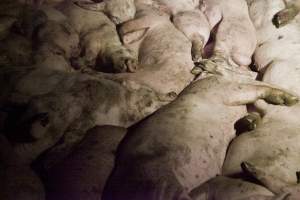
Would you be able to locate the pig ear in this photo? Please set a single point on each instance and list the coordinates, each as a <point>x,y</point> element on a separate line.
<point>134,36</point>
<point>90,5</point>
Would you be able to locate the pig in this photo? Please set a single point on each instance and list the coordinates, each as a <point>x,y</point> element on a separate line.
<point>189,20</point>
<point>224,188</point>
<point>137,94</point>
<point>176,149</point>
<point>196,27</point>
<point>16,15</point>
<point>46,36</point>
<point>98,35</point>
<point>163,51</point>
<point>266,147</point>
<point>233,22</point>
<point>18,180</point>
<point>278,157</point>
<point>94,99</point>
<point>83,174</point>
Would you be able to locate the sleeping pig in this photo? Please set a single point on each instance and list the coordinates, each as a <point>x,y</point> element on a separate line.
<point>232,20</point>
<point>98,34</point>
<point>184,144</point>
<point>273,145</point>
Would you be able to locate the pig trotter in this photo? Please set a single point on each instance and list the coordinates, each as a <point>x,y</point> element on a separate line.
<point>284,16</point>
<point>249,122</point>
<point>281,98</point>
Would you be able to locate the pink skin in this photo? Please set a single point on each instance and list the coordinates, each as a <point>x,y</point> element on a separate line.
<point>196,28</point>
<point>276,138</point>
<point>165,61</point>
<point>164,52</point>
<point>235,36</point>
<point>177,6</point>
<point>177,148</point>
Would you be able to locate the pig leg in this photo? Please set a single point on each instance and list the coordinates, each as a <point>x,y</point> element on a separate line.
<point>249,122</point>
<point>147,169</point>
<point>286,15</point>
<point>195,26</point>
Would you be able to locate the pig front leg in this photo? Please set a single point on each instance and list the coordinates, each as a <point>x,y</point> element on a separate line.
<point>286,15</point>
<point>195,26</point>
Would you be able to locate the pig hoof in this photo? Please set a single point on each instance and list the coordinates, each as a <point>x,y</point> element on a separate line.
<point>284,16</point>
<point>279,97</point>
<point>248,123</point>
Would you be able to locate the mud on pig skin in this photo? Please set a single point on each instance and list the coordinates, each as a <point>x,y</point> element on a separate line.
<point>94,99</point>
<point>83,174</point>
<point>159,157</point>
<point>154,85</point>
